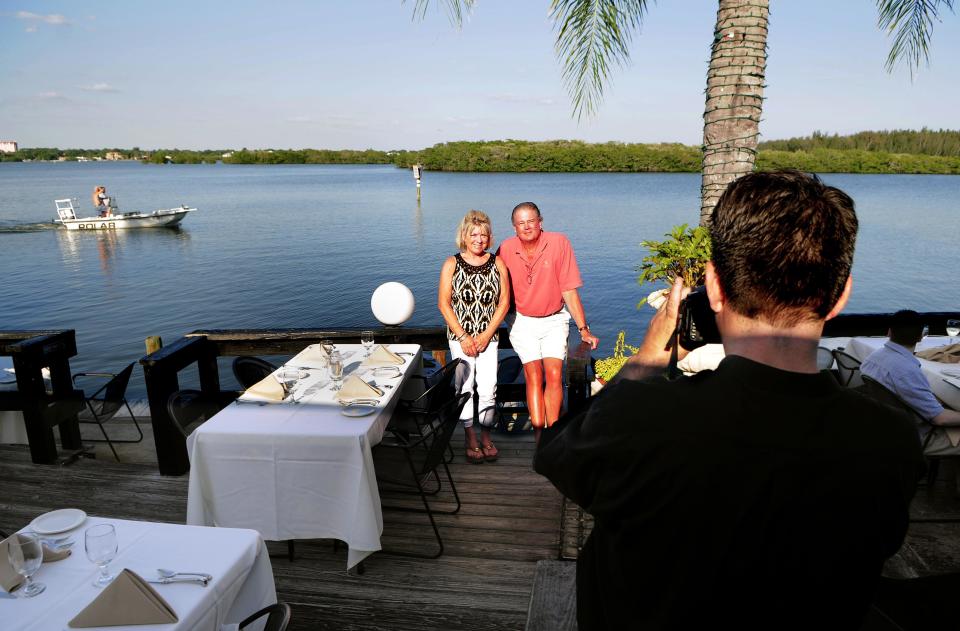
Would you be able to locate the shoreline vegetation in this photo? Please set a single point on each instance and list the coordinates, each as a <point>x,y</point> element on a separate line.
<point>881,152</point>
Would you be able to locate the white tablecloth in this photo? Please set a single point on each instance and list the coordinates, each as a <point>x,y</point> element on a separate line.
<point>295,471</point>
<point>937,373</point>
<point>238,560</point>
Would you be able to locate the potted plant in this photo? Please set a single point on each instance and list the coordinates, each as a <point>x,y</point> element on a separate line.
<point>605,369</point>
<point>683,253</point>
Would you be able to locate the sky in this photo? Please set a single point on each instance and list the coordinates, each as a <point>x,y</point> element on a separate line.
<point>363,74</point>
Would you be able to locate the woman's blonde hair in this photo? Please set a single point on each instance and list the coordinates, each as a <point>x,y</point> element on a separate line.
<point>473,219</point>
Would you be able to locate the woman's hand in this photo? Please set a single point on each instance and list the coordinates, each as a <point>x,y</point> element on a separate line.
<point>481,341</point>
<point>469,346</point>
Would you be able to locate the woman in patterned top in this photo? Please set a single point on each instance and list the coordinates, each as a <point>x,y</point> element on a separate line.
<point>474,298</point>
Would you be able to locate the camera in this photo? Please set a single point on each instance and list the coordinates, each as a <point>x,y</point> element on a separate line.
<point>698,324</point>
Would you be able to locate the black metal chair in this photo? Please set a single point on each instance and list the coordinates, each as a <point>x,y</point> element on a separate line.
<point>848,369</point>
<point>439,389</point>
<point>423,456</point>
<point>250,370</point>
<point>278,617</point>
<point>105,402</point>
<point>188,409</point>
<point>824,358</point>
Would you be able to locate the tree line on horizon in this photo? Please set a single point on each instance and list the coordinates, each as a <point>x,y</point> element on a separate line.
<point>896,151</point>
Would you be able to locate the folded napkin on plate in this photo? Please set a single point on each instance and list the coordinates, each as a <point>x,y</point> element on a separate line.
<point>127,600</point>
<point>356,388</point>
<point>267,389</point>
<point>949,354</point>
<point>383,356</point>
<point>9,579</point>
<point>312,356</point>
<point>50,555</point>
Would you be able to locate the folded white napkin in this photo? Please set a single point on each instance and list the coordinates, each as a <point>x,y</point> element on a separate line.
<point>382,356</point>
<point>9,578</point>
<point>128,600</point>
<point>356,388</point>
<point>312,356</point>
<point>267,389</point>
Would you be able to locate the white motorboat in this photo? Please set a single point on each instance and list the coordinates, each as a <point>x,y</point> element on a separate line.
<point>115,220</point>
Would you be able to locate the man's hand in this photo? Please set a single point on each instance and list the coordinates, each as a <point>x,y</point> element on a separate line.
<point>654,354</point>
<point>590,338</point>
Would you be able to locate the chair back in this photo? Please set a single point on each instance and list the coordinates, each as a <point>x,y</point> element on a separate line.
<point>114,392</point>
<point>442,390</point>
<point>250,370</point>
<point>447,419</point>
<point>878,392</point>
<point>189,409</point>
<point>824,358</point>
<point>278,617</point>
<point>848,367</point>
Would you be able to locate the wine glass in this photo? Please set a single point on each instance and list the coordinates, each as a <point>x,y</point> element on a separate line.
<point>953,328</point>
<point>289,377</point>
<point>100,542</point>
<point>366,338</point>
<point>335,364</point>
<point>25,555</point>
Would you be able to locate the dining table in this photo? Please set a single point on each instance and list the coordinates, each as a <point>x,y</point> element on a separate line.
<point>236,559</point>
<point>300,468</point>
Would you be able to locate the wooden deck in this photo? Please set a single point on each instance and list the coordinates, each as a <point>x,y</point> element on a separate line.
<point>511,518</point>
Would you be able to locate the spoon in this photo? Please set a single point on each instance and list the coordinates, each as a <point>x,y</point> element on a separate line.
<point>165,573</point>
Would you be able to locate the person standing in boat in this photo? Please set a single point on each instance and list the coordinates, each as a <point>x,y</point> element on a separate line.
<point>474,298</point>
<point>101,201</point>
<point>545,278</point>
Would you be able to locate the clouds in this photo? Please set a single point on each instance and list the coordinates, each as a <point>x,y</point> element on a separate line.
<point>99,87</point>
<point>33,20</point>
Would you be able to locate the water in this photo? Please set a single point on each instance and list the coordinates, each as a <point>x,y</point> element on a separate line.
<point>306,245</point>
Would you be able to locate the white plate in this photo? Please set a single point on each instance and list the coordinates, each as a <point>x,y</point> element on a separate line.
<point>58,521</point>
<point>388,372</point>
<point>358,409</point>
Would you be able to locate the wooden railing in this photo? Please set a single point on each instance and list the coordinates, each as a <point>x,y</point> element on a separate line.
<point>32,351</point>
<point>161,369</point>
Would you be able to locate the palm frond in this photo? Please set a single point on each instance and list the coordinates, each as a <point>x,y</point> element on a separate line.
<point>593,35</point>
<point>456,9</point>
<point>911,22</point>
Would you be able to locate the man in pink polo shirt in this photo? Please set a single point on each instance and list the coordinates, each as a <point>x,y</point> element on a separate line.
<point>544,278</point>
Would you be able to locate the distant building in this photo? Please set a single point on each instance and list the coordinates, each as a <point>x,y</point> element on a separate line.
<point>114,155</point>
<point>8,146</point>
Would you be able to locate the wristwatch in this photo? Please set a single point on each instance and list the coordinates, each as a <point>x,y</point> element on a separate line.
<point>585,326</point>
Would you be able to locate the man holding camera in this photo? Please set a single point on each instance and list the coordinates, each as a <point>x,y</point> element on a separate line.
<point>760,494</point>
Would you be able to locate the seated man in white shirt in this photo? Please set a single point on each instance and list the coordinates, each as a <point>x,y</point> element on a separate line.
<point>895,368</point>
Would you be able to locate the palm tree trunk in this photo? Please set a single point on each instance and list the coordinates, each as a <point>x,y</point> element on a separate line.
<point>731,118</point>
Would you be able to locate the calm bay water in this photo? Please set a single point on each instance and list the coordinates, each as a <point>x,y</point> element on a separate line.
<point>305,246</point>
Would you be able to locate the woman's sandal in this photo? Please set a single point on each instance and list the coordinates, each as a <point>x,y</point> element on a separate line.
<point>490,452</point>
<point>475,455</point>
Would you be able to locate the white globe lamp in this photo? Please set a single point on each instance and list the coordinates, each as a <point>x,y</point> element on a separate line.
<point>392,303</point>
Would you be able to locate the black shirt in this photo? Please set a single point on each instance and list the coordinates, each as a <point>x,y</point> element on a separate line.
<point>748,495</point>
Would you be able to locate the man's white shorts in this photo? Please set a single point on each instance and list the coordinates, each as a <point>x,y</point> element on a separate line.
<point>536,338</point>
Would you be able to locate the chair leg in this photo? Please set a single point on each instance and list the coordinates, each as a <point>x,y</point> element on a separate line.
<point>103,431</point>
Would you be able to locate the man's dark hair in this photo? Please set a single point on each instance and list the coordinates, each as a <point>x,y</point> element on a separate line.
<point>523,205</point>
<point>906,328</point>
<point>783,245</point>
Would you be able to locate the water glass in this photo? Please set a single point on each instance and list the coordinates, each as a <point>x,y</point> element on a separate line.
<point>25,554</point>
<point>953,328</point>
<point>335,364</point>
<point>327,346</point>
<point>366,338</point>
<point>100,543</point>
